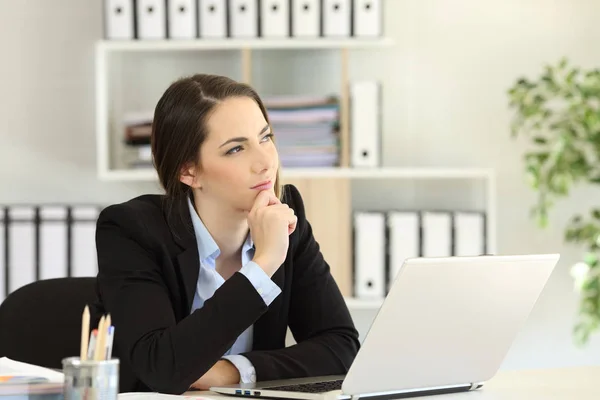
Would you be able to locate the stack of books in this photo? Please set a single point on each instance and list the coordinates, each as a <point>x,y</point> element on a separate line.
<point>138,129</point>
<point>306,130</point>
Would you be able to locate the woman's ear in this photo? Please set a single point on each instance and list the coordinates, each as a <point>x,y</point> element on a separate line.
<point>188,175</point>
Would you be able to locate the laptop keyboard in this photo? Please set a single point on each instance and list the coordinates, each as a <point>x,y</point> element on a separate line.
<point>314,387</point>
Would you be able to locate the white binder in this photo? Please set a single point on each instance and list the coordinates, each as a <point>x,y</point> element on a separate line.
<point>53,242</point>
<point>275,18</point>
<point>306,18</point>
<point>404,240</point>
<point>367,18</point>
<point>119,19</point>
<point>212,18</point>
<point>2,257</point>
<point>336,18</point>
<point>369,255</point>
<point>151,19</point>
<point>436,233</point>
<point>182,16</point>
<point>243,21</point>
<point>365,124</point>
<point>21,247</point>
<point>469,233</point>
<point>84,260</point>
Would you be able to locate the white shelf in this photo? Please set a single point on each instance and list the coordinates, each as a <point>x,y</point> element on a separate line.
<point>238,44</point>
<point>360,304</point>
<point>350,173</point>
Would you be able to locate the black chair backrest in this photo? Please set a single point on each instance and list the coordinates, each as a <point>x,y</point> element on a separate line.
<point>40,323</point>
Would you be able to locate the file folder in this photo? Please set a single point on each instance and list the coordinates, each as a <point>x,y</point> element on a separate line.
<point>275,18</point>
<point>437,234</point>
<point>83,241</point>
<point>3,254</point>
<point>119,20</point>
<point>369,255</point>
<point>182,16</point>
<point>21,246</point>
<point>367,18</point>
<point>469,233</point>
<point>365,124</point>
<point>306,19</point>
<point>212,18</point>
<point>53,242</point>
<point>151,19</point>
<point>404,240</point>
<point>336,18</point>
<point>243,21</point>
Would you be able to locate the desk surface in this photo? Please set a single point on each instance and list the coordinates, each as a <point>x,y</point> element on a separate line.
<point>580,383</point>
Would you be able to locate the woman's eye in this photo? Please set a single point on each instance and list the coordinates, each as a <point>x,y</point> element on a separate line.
<point>234,150</point>
<point>268,137</point>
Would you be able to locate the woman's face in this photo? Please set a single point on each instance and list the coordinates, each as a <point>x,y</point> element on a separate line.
<point>238,158</point>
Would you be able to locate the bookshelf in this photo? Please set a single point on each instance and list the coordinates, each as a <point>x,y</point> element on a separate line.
<point>327,192</point>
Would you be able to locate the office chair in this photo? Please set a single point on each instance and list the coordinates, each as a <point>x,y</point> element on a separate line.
<point>40,323</point>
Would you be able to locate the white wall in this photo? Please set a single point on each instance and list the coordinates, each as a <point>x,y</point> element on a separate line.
<point>445,104</point>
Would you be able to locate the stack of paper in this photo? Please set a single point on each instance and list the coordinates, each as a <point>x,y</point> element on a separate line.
<point>12,372</point>
<point>306,129</point>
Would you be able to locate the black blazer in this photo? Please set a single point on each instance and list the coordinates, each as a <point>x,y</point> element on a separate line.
<point>148,271</point>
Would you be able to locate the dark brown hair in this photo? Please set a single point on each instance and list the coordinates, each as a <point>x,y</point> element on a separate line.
<point>179,127</point>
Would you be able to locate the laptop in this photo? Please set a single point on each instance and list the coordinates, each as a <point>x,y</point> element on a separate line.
<point>445,326</point>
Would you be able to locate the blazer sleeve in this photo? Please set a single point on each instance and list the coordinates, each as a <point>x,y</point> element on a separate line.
<point>326,339</point>
<point>166,355</point>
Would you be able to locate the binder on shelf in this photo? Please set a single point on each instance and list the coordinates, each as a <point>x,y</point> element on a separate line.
<point>83,241</point>
<point>336,18</point>
<point>53,242</point>
<point>369,255</point>
<point>365,124</point>
<point>182,16</point>
<point>436,234</point>
<point>404,240</point>
<point>151,19</point>
<point>275,18</point>
<point>21,246</point>
<point>243,18</point>
<point>212,19</point>
<point>469,233</point>
<point>306,18</point>
<point>3,254</point>
<point>119,21</point>
<point>367,18</point>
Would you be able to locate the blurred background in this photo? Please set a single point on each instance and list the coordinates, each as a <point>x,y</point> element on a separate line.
<point>75,107</point>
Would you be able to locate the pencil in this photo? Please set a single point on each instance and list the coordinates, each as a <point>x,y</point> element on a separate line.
<point>85,332</point>
<point>107,324</point>
<point>100,339</point>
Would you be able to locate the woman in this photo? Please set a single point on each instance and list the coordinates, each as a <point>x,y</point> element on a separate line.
<point>202,282</point>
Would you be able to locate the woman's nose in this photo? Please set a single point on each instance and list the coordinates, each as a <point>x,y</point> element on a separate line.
<point>262,160</point>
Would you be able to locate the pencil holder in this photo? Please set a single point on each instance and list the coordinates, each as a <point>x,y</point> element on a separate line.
<point>91,380</point>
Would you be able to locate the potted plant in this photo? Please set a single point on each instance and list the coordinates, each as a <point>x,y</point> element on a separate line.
<point>559,112</point>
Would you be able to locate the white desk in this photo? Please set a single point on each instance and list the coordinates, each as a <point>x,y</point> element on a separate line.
<point>579,383</point>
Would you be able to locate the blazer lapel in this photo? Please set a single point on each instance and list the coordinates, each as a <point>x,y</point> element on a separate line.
<point>189,261</point>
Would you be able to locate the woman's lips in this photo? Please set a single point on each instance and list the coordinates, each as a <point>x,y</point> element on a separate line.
<point>263,185</point>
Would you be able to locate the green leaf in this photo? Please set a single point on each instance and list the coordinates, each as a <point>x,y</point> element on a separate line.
<point>591,259</point>
<point>540,140</point>
<point>563,63</point>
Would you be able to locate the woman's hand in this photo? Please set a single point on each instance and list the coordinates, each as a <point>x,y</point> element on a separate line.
<point>222,373</point>
<point>271,223</point>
